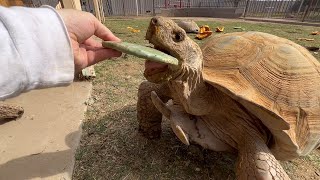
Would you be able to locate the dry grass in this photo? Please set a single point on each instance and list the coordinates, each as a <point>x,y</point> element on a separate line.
<point>110,146</point>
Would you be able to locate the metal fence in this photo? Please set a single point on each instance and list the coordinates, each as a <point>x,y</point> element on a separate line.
<point>302,10</point>
<point>144,7</point>
<point>38,3</point>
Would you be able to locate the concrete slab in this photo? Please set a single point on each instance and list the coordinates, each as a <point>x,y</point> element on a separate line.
<point>41,145</point>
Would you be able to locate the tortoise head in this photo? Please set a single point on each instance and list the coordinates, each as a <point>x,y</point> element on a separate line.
<point>168,37</point>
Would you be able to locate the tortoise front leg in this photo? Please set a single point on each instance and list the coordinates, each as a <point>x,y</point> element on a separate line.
<point>147,114</point>
<point>10,112</point>
<point>255,161</point>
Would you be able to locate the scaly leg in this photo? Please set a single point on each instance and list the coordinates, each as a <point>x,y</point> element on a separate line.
<point>257,162</point>
<point>147,114</point>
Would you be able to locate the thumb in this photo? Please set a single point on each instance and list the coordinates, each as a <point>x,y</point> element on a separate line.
<point>103,32</point>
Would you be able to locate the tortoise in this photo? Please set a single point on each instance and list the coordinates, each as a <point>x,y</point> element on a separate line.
<point>188,25</point>
<point>247,92</point>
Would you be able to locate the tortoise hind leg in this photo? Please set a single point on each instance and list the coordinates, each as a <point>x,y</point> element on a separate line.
<point>256,161</point>
<point>148,116</point>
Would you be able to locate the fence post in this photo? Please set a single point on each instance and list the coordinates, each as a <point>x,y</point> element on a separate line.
<point>137,8</point>
<point>307,11</point>
<point>73,4</point>
<point>61,2</point>
<point>123,8</point>
<point>153,9</point>
<point>246,9</point>
<point>97,10</point>
<point>300,7</point>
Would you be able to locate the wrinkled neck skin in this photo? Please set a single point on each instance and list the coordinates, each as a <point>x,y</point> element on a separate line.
<point>196,96</point>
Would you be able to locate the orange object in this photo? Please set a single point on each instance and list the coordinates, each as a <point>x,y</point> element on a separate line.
<point>204,28</point>
<point>133,30</point>
<point>204,32</point>
<point>220,29</point>
<point>204,35</point>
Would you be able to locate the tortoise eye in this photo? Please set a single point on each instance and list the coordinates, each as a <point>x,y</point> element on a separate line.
<point>178,36</point>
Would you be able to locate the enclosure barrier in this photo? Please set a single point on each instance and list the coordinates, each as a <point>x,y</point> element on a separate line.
<point>298,10</point>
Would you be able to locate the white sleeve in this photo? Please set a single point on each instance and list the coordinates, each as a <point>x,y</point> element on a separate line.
<point>35,50</point>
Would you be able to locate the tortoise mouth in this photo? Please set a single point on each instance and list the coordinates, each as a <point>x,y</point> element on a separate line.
<point>152,67</point>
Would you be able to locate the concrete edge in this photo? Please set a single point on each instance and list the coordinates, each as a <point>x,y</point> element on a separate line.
<point>80,133</point>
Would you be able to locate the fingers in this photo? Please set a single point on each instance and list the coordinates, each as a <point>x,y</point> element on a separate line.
<point>92,42</point>
<point>97,55</point>
<point>103,32</point>
<point>97,52</point>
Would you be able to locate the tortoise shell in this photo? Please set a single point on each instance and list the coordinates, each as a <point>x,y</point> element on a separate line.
<point>188,25</point>
<point>276,79</point>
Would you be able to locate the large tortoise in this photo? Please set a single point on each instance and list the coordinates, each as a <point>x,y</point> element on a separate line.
<point>249,92</point>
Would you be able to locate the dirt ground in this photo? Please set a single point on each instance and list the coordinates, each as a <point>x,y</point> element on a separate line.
<point>112,148</point>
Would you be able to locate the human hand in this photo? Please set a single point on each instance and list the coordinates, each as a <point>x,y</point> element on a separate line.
<point>81,27</point>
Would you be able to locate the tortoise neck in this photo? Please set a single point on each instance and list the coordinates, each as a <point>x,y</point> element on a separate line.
<point>191,91</point>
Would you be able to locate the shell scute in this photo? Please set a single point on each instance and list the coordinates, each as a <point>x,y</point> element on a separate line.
<point>276,79</point>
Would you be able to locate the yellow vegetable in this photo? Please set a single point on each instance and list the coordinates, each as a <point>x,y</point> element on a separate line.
<point>133,30</point>
<point>204,35</point>
<point>204,32</point>
<point>204,28</point>
<point>220,29</point>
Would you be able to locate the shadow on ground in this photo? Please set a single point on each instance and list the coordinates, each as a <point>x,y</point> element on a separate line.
<point>112,147</point>
<point>40,165</point>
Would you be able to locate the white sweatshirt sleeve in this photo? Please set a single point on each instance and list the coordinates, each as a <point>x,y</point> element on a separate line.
<point>35,50</point>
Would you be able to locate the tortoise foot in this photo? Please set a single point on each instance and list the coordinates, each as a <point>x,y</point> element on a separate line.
<point>153,132</point>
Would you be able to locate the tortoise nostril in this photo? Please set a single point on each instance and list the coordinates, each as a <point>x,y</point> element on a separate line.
<point>154,21</point>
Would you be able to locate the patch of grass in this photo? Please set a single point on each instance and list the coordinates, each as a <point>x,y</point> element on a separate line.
<point>111,147</point>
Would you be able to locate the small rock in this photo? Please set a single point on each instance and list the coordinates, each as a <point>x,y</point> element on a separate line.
<point>187,163</point>
<point>198,169</point>
<point>89,102</point>
<point>315,52</point>
<point>127,77</point>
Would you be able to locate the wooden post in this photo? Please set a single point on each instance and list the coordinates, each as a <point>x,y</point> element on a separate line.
<point>137,8</point>
<point>97,9</point>
<point>11,2</point>
<point>72,4</point>
<point>102,11</point>
<point>4,3</point>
